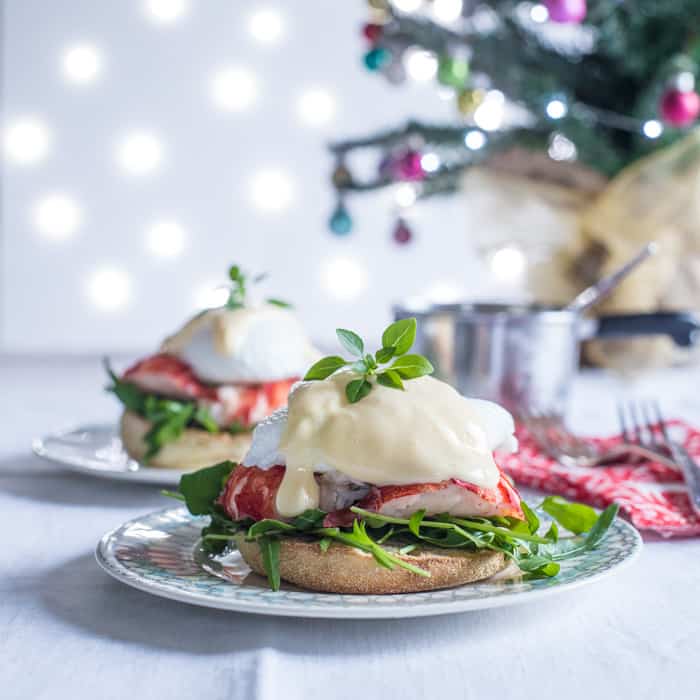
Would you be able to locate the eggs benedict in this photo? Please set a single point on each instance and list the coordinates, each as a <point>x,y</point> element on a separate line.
<point>197,400</point>
<point>377,478</point>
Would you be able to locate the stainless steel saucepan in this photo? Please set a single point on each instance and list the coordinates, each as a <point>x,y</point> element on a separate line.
<point>525,357</point>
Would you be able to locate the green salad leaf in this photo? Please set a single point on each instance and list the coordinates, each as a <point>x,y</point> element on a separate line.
<point>397,340</point>
<point>389,538</point>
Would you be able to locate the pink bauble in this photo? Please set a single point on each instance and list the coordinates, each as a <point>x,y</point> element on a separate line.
<point>680,108</point>
<point>565,11</point>
<point>409,167</point>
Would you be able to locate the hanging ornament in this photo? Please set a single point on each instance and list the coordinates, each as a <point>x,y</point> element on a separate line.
<point>376,58</point>
<point>679,108</point>
<point>468,100</point>
<point>566,11</point>
<point>453,71</point>
<point>409,167</point>
<point>340,222</point>
<point>372,32</point>
<point>395,72</point>
<point>402,234</point>
<point>378,4</point>
<point>341,176</point>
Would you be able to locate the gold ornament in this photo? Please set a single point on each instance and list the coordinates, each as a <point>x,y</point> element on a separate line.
<point>469,100</point>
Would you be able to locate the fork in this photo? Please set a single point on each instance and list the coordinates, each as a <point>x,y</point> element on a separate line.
<point>561,444</point>
<point>660,440</point>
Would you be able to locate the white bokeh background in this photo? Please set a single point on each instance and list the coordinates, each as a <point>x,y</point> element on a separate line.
<point>142,153</point>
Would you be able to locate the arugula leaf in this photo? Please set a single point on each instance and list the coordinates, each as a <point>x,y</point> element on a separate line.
<point>400,335</point>
<point>357,389</point>
<point>313,517</point>
<point>268,526</point>
<point>601,525</point>
<point>324,543</point>
<point>270,551</point>
<point>414,522</point>
<point>390,378</point>
<point>576,517</point>
<point>533,522</point>
<point>324,367</point>
<point>237,428</point>
<point>412,366</point>
<point>202,488</point>
<point>350,341</point>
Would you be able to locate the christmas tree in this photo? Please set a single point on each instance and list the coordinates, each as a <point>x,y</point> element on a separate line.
<point>600,82</point>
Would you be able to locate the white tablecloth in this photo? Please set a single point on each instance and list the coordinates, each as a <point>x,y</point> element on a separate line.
<point>67,630</point>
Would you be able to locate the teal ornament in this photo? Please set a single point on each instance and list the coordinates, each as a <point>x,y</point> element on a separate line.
<point>340,222</point>
<point>377,58</point>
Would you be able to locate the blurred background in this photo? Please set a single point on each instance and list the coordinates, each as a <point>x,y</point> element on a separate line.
<point>147,144</point>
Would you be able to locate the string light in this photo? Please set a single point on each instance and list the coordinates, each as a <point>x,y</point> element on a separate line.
<point>167,11</point>
<point>475,139</point>
<point>234,89</point>
<point>108,288</point>
<point>26,141</point>
<point>57,216</point>
<point>271,190</point>
<point>316,107</point>
<point>447,10</point>
<point>82,64</point>
<point>539,14</point>
<point>344,278</point>
<point>652,128</point>
<point>420,65</point>
<point>508,264</point>
<point>165,239</point>
<point>266,26</point>
<point>556,109</point>
<point>430,162</point>
<point>489,114</point>
<point>139,152</point>
<point>561,148</point>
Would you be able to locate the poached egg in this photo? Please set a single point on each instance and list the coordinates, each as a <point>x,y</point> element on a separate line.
<point>426,433</point>
<point>261,343</point>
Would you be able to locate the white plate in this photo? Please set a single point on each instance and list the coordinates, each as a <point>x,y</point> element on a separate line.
<point>97,450</point>
<point>159,553</point>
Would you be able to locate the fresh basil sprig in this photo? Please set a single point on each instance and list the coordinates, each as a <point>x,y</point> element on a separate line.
<point>397,340</point>
<point>238,289</point>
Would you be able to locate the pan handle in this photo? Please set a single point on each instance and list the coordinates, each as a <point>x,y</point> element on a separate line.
<point>683,327</point>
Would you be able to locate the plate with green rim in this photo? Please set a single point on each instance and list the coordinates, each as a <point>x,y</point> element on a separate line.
<point>160,553</point>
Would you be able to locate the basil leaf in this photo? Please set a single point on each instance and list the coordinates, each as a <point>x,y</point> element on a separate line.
<point>601,526</point>
<point>400,335</point>
<point>390,378</point>
<point>278,302</point>
<point>270,552</point>
<point>324,367</point>
<point>385,354</point>
<point>202,488</point>
<point>412,366</point>
<point>350,341</point>
<point>360,366</point>
<point>357,389</point>
<point>575,517</point>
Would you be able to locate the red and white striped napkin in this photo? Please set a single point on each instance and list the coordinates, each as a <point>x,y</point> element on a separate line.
<point>651,495</point>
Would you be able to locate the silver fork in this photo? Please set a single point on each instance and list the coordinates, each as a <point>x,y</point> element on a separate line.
<point>654,433</point>
<point>561,444</point>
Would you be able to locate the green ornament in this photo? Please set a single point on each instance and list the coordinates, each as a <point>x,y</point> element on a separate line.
<point>453,71</point>
<point>377,58</point>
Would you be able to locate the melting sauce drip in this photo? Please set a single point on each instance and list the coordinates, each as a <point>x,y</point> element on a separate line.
<point>427,433</point>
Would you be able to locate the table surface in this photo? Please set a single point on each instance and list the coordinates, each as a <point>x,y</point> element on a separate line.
<point>67,630</point>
